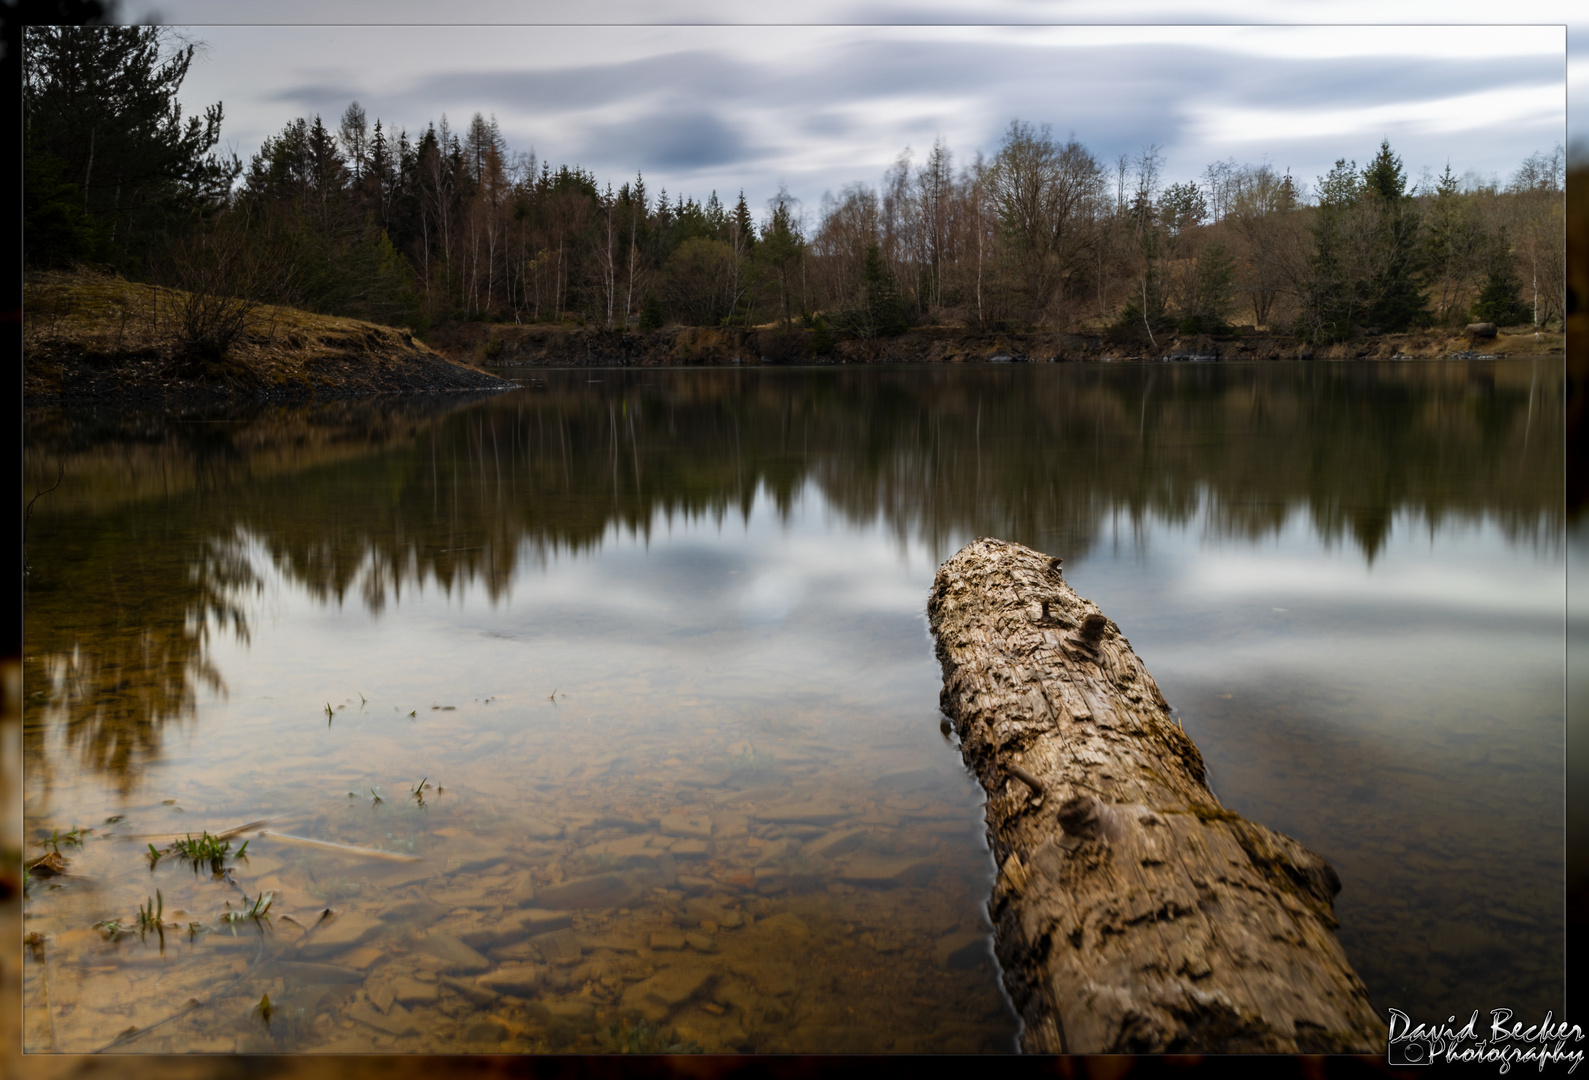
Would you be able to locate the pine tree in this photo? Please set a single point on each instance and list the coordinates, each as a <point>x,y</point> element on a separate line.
<point>743,229</point>
<point>782,247</point>
<point>885,313</point>
<point>102,102</point>
<point>1394,296</point>
<point>651,315</point>
<point>1498,300</point>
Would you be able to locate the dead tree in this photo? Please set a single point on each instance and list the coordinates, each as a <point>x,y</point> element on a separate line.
<point>1132,912</point>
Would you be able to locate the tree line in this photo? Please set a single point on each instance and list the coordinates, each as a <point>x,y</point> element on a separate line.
<point>450,224</point>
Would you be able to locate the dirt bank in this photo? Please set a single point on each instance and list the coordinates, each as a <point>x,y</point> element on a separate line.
<point>499,344</point>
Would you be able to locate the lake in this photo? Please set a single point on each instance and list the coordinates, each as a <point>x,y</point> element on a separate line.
<point>601,714</point>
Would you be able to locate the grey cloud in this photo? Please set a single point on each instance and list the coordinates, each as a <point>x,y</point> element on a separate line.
<point>321,98</point>
<point>684,141</point>
<point>869,68</point>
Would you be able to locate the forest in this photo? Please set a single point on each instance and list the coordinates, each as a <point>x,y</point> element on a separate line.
<point>420,229</point>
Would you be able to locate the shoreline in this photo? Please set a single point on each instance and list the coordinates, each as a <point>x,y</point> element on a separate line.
<point>95,338</point>
<point>545,345</point>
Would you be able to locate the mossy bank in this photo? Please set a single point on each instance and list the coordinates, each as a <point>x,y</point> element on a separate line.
<point>97,337</point>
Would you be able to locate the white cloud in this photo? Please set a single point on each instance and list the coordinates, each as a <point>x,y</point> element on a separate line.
<point>821,106</point>
<point>1540,106</point>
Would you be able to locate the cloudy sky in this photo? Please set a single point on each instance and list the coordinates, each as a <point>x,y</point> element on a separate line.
<point>837,92</point>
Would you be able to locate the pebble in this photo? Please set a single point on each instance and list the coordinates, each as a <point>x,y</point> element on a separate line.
<point>785,924</point>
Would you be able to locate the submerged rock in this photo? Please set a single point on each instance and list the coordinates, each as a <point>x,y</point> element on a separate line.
<point>520,980</point>
<point>597,891</point>
<point>886,871</point>
<point>398,1021</point>
<point>558,947</point>
<point>456,957</point>
<point>662,994</point>
<point>339,932</point>
<point>964,950</point>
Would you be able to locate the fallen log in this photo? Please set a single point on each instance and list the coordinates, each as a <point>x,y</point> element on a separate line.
<point>1132,912</point>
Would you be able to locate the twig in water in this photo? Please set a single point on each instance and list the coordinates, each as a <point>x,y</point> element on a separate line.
<point>60,472</point>
<point>349,849</point>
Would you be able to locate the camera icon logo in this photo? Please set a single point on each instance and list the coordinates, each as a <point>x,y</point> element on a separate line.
<point>1410,1052</point>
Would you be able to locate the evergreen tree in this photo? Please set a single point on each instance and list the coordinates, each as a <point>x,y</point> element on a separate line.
<point>1212,291</point>
<point>782,247</point>
<point>1394,296</point>
<point>101,102</point>
<point>1499,300</point>
<point>1367,256</point>
<point>822,343</point>
<point>57,230</point>
<point>885,313</point>
<point>1452,244</point>
<point>744,232</point>
<point>1341,188</point>
<point>651,315</point>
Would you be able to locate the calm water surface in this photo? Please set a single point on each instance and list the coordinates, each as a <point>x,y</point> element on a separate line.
<point>631,672</point>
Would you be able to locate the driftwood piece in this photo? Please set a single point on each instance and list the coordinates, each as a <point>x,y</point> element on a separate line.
<point>1132,912</point>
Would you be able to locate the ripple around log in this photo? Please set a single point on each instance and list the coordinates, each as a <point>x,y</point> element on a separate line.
<point>1132,912</point>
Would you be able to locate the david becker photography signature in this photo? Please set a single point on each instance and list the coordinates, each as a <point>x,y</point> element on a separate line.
<point>1502,1041</point>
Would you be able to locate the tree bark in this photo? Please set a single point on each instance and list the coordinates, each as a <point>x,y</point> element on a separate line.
<point>1132,912</point>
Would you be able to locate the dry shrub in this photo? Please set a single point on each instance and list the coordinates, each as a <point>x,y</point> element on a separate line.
<point>225,274</point>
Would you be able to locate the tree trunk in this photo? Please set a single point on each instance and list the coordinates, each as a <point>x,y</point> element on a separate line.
<point>1132,912</point>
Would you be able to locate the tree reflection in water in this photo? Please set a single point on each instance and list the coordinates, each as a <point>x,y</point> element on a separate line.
<point>147,549</point>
